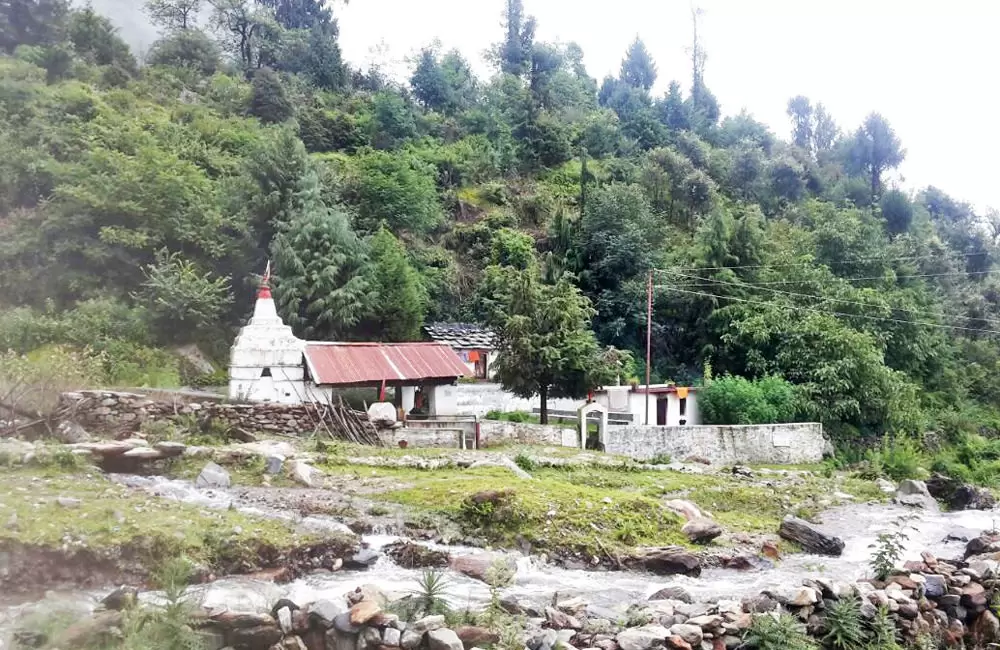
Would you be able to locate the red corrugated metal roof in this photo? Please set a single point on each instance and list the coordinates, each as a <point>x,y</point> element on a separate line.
<point>362,363</point>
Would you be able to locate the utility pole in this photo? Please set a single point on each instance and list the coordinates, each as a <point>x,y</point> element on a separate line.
<point>649,335</point>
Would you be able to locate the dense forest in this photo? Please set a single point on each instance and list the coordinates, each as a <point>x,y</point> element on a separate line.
<point>141,200</point>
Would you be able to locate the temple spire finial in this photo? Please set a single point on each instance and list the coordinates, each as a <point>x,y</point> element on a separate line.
<point>264,293</point>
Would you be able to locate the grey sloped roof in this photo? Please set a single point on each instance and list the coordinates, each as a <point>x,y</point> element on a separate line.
<point>465,336</point>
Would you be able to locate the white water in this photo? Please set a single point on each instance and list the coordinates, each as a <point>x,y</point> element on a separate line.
<point>537,581</point>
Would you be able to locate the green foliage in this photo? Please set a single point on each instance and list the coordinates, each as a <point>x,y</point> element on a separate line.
<point>396,189</point>
<point>525,462</point>
<point>167,626</point>
<point>431,595</point>
<point>736,400</point>
<point>268,101</point>
<point>187,48</point>
<point>788,259</point>
<point>782,633</point>
<point>897,458</point>
<point>181,299</point>
<point>888,549</point>
<point>322,275</point>
<point>842,625</point>
<point>545,344</point>
<point>397,313</point>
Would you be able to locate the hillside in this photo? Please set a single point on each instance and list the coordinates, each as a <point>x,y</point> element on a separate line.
<point>140,203</point>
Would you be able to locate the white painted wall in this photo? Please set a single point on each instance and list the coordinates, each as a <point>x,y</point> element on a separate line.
<point>443,400</point>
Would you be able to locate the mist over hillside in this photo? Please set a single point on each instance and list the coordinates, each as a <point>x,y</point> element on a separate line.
<point>130,18</point>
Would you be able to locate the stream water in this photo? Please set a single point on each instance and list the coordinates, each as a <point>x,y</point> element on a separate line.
<point>536,580</point>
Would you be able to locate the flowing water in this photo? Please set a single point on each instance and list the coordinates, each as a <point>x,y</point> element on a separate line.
<point>536,580</point>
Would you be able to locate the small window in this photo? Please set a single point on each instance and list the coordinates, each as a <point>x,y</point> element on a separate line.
<point>266,372</point>
<point>684,406</point>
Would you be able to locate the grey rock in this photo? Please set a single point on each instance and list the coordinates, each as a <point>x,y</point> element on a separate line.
<point>369,639</point>
<point>411,638</point>
<point>213,476</point>
<point>810,537</point>
<point>325,611</point>
<point>692,634</point>
<point>914,494</point>
<point>644,638</point>
<point>935,586</point>
<point>391,637</point>
<point>121,598</point>
<point>69,502</point>
<point>444,639</point>
<point>273,464</point>
<point>701,530</point>
<point>429,624</point>
<point>363,559</point>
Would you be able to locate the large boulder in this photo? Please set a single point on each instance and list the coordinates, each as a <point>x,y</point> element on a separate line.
<point>809,537</point>
<point>478,566</point>
<point>914,494</point>
<point>669,560</point>
<point>673,593</point>
<point>701,530</point>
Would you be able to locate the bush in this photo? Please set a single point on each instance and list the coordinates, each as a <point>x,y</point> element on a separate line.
<point>34,382</point>
<point>897,458</point>
<point>783,633</point>
<point>736,400</point>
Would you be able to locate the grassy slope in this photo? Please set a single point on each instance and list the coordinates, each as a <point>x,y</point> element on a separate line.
<point>110,518</point>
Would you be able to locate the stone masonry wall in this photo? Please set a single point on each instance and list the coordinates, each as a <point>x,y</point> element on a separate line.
<point>116,413</point>
<point>491,434</point>
<point>497,433</point>
<point>779,444</point>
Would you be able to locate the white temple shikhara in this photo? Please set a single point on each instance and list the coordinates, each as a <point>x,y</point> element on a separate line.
<point>268,363</point>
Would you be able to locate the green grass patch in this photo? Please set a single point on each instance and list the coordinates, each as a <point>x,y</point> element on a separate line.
<point>550,512</point>
<point>107,518</point>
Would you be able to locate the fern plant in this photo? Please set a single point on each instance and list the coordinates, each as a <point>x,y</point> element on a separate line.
<point>782,633</point>
<point>843,625</point>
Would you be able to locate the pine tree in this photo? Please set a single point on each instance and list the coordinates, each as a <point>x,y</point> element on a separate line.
<point>399,299</point>
<point>638,69</point>
<point>322,272</point>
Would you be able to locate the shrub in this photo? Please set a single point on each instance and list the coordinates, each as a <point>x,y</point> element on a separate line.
<point>843,626</point>
<point>736,400</point>
<point>525,462</point>
<point>783,633</point>
<point>896,458</point>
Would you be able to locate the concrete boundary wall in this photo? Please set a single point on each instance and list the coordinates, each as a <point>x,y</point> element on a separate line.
<point>779,444</point>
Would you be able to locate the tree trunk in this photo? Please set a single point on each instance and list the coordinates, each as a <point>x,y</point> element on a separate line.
<point>543,392</point>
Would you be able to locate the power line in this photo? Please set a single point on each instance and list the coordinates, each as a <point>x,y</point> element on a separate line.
<point>842,300</point>
<point>870,277</point>
<point>831,313</point>
<point>859,260</point>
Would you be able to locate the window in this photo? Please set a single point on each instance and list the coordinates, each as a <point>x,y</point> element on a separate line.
<point>266,372</point>
<point>683,411</point>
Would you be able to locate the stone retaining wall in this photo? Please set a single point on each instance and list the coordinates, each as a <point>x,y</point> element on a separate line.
<point>778,444</point>
<point>117,413</point>
<point>494,433</point>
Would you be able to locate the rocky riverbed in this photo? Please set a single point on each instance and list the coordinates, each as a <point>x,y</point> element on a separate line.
<point>623,594</point>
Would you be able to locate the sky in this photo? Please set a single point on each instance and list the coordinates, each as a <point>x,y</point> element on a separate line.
<point>924,65</point>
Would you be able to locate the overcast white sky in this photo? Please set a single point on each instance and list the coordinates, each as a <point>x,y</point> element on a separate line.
<point>929,67</point>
